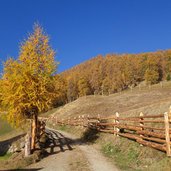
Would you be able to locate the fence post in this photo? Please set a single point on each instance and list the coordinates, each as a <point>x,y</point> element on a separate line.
<point>161,84</point>
<point>68,120</point>
<point>167,135</point>
<point>114,127</point>
<point>141,121</point>
<point>79,120</point>
<point>50,119</point>
<point>82,121</point>
<point>117,122</point>
<point>141,125</point>
<point>170,113</point>
<point>27,149</point>
<point>88,120</point>
<point>98,121</point>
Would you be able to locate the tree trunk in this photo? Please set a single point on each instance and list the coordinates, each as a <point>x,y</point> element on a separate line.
<point>34,132</point>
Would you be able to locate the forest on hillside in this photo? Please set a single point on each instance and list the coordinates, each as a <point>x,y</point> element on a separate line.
<point>116,72</point>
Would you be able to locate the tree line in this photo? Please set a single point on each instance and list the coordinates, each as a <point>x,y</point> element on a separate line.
<point>116,72</point>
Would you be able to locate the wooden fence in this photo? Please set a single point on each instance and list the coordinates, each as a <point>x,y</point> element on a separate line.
<point>149,130</point>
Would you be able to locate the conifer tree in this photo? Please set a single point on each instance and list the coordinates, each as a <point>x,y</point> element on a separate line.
<point>28,84</point>
<point>83,87</point>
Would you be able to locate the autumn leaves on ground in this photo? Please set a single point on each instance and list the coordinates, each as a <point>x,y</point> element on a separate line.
<point>126,83</point>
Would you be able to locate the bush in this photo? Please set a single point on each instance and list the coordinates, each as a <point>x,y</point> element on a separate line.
<point>168,77</point>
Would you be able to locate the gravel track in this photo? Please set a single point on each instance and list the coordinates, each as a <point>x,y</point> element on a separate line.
<point>70,154</point>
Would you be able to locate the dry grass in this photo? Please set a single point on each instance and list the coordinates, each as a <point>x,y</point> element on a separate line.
<point>128,154</point>
<point>150,101</point>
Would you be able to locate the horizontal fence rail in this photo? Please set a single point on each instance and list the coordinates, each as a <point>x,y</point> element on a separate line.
<point>149,130</point>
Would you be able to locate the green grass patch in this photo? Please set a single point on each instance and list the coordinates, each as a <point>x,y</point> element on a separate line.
<point>5,127</point>
<point>126,160</point>
<point>63,128</point>
<point>6,156</point>
<point>129,155</point>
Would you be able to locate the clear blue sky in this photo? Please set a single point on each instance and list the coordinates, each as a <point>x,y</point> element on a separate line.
<point>81,29</point>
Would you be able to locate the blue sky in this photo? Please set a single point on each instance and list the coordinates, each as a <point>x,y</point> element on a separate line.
<point>82,29</point>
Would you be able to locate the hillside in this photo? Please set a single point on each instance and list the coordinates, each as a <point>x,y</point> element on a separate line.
<point>150,101</point>
<point>124,153</point>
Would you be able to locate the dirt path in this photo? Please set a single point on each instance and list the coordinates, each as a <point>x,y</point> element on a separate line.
<point>69,154</point>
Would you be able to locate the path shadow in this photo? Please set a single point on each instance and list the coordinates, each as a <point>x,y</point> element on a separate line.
<point>57,142</point>
<point>33,169</point>
<point>90,135</point>
<point>5,145</point>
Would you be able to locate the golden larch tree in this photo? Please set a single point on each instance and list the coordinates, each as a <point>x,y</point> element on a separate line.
<point>28,82</point>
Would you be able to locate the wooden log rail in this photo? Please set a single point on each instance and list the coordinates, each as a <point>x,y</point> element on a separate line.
<point>149,130</point>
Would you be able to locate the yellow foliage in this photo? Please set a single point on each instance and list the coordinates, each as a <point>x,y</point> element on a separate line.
<point>28,83</point>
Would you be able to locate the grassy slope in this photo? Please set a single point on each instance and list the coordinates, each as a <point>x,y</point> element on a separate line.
<point>4,127</point>
<point>150,101</point>
<point>127,154</point>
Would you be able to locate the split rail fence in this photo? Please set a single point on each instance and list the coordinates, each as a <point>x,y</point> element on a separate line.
<point>149,130</point>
